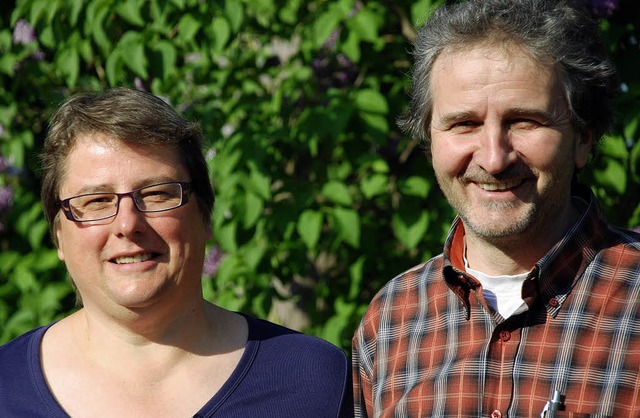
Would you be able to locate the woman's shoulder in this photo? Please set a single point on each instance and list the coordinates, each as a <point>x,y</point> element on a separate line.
<point>283,345</point>
<point>23,345</point>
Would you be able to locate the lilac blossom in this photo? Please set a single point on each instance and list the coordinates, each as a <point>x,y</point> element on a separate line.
<point>23,33</point>
<point>6,202</point>
<point>4,164</point>
<point>212,261</point>
<point>602,8</point>
<point>137,82</point>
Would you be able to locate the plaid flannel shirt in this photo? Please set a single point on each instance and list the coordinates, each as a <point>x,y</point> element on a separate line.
<point>430,346</point>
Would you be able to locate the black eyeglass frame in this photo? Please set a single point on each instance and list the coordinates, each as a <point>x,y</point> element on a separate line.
<point>185,188</point>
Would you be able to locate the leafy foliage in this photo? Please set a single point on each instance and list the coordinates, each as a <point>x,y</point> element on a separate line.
<point>319,198</point>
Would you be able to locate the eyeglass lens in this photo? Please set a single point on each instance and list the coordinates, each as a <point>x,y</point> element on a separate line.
<point>154,198</point>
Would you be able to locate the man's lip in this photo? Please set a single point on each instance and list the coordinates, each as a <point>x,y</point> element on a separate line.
<point>499,186</point>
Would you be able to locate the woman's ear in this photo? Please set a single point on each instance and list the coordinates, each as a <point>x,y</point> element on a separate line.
<point>59,242</point>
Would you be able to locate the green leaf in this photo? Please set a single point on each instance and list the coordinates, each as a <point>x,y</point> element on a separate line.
<point>225,235</point>
<point>260,184</point>
<point>235,13</point>
<point>8,63</point>
<point>68,61</point>
<point>371,101</point>
<point>253,208</point>
<point>95,17</point>
<point>131,49</point>
<point>356,273</point>
<point>289,13</point>
<point>309,227</point>
<point>76,8</point>
<point>376,123</point>
<point>366,23</point>
<point>421,10</point>
<point>114,68</point>
<point>38,7</point>
<point>188,27</point>
<point>52,9</point>
<point>24,278</point>
<point>324,25</point>
<point>414,186</point>
<point>410,227</point>
<point>347,225</point>
<point>613,176</point>
<point>221,33</point>
<point>168,58</point>
<point>337,192</point>
<point>374,185</point>
<point>351,47</point>
<point>37,232</point>
<point>131,12</point>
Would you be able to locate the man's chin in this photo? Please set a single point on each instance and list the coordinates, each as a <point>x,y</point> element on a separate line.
<point>496,229</point>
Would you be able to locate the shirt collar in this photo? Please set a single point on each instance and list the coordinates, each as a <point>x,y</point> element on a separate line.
<point>555,274</point>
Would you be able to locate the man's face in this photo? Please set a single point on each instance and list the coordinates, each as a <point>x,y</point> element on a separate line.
<point>503,147</point>
<point>134,260</point>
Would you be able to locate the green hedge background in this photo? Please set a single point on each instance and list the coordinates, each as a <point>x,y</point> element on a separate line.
<point>320,198</point>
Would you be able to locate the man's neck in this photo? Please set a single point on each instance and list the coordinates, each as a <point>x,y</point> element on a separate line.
<point>515,254</point>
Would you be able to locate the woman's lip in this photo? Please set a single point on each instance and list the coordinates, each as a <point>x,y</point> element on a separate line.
<point>135,258</point>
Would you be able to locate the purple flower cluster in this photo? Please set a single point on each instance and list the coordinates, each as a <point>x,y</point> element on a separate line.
<point>212,261</point>
<point>4,164</point>
<point>334,71</point>
<point>6,192</point>
<point>23,33</point>
<point>602,8</point>
<point>6,203</point>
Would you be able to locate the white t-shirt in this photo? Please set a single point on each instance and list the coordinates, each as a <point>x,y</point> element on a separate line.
<point>502,293</point>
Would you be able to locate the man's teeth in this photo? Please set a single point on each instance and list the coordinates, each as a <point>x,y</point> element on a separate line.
<point>133,259</point>
<point>499,186</point>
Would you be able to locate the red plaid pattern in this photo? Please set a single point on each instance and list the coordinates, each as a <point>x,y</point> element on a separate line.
<point>429,345</point>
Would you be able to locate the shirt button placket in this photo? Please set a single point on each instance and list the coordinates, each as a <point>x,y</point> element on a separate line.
<point>496,414</point>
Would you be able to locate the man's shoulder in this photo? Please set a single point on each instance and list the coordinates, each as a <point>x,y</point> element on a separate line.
<point>421,276</point>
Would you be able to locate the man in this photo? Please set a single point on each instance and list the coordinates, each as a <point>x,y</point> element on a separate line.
<point>128,198</point>
<point>533,307</point>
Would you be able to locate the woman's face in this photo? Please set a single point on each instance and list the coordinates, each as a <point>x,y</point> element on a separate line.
<point>134,260</point>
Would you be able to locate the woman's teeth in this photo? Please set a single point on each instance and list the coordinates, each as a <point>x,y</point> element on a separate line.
<point>133,259</point>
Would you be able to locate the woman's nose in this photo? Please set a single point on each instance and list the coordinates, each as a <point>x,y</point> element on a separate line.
<point>129,219</point>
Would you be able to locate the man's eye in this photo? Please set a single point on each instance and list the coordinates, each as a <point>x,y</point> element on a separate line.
<point>524,124</point>
<point>464,126</point>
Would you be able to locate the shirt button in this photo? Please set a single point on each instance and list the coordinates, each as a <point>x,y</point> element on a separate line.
<point>496,414</point>
<point>505,336</point>
<point>553,302</point>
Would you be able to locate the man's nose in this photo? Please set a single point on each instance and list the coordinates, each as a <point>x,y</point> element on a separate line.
<point>495,151</point>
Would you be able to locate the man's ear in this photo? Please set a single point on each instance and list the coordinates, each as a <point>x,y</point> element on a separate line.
<point>583,147</point>
<point>208,230</point>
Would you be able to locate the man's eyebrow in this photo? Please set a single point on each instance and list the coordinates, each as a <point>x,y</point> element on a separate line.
<point>526,111</point>
<point>453,117</point>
